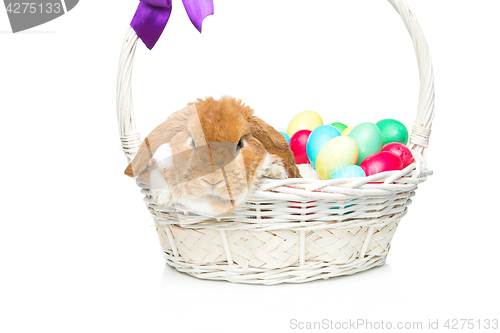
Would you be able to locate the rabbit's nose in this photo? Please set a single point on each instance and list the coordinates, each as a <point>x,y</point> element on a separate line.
<point>213,184</point>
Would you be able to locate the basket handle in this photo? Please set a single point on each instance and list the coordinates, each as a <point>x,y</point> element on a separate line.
<point>419,139</point>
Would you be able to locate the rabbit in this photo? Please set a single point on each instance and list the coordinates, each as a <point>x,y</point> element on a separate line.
<point>208,157</point>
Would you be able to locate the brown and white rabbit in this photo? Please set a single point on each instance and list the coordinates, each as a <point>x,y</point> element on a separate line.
<point>208,157</point>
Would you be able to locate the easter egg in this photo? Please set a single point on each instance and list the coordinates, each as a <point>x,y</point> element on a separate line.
<point>393,131</point>
<point>349,171</point>
<point>380,162</point>
<point>339,126</point>
<point>318,138</point>
<point>298,145</point>
<point>305,120</point>
<point>336,154</point>
<point>346,131</point>
<point>401,150</point>
<point>286,136</point>
<point>368,138</point>
<point>341,206</point>
<point>300,207</point>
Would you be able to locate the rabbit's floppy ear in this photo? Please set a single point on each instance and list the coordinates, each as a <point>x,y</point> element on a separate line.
<point>274,143</point>
<point>162,134</point>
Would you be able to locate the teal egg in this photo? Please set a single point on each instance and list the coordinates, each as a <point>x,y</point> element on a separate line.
<point>349,171</point>
<point>286,136</point>
<point>318,138</point>
<point>393,131</point>
<point>347,206</point>
<point>368,138</point>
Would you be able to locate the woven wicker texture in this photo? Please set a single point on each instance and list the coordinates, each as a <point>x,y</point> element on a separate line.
<point>293,230</point>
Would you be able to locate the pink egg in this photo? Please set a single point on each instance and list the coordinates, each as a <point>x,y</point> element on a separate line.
<point>298,145</point>
<point>380,162</point>
<point>401,150</point>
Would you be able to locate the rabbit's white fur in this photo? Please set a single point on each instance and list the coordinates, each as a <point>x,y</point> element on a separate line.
<point>307,171</point>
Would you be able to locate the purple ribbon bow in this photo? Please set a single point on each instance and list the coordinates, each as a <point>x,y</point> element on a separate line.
<point>152,16</point>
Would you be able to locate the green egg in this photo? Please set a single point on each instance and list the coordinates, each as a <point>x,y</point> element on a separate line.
<point>393,131</point>
<point>368,138</point>
<point>341,127</point>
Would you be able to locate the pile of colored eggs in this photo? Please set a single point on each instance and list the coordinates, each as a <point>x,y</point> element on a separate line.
<point>339,151</point>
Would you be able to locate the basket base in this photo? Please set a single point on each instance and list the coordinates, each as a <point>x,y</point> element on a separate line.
<point>294,274</point>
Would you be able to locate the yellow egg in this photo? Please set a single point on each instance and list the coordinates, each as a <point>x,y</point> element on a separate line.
<point>336,154</point>
<point>305,120</point>
<point>347,130</point>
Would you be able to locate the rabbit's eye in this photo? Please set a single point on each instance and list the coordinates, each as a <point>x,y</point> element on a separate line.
<point>238,147</point>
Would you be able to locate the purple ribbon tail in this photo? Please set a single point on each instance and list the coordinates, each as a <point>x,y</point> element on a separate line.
<point>149,22</point>
<point>197,10</point>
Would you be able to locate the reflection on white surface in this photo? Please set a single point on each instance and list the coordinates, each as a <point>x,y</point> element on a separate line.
<point>340,297</point>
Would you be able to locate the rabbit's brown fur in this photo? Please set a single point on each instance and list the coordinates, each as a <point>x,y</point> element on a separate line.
<point>217,151</point>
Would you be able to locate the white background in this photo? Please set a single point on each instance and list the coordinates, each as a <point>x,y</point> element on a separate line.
<point>78,252</point>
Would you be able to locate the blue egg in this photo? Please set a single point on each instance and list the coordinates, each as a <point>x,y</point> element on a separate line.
<point>349,171</point>
<point>286,137</point>
<point>347,206</point>
<point>318,138</point>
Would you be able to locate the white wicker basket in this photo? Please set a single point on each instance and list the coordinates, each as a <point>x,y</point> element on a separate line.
<point>296,230</point>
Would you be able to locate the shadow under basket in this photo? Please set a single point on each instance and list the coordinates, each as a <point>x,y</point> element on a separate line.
<point>293,230</point>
